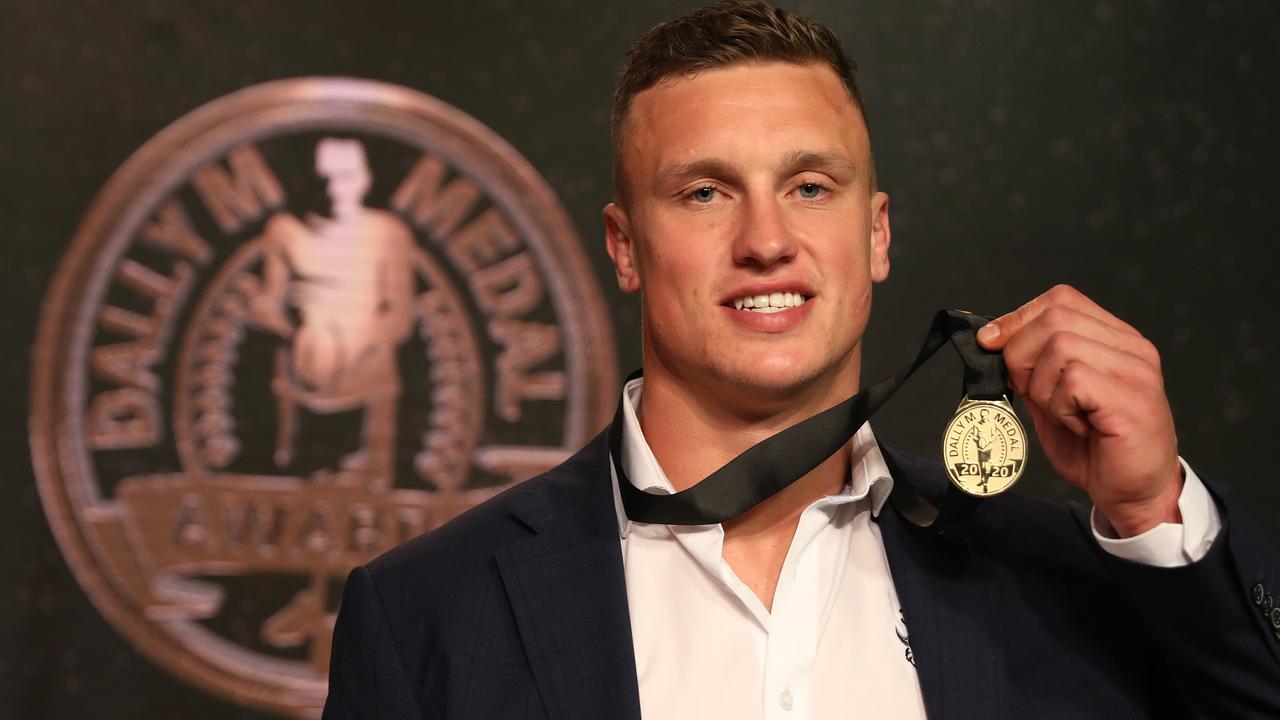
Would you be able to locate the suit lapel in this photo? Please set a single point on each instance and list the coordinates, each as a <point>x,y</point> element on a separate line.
<point>568,593</point>
<point>950,604</point>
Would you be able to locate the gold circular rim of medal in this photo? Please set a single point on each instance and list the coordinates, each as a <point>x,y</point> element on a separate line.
<point>1013,431</point>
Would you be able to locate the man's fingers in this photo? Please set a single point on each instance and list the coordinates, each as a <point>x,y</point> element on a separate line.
<point>1087,400</point>
<point>996,334</point>
<point>1026,350</point>
<point>1040,377</point>
<point>1074,397</point>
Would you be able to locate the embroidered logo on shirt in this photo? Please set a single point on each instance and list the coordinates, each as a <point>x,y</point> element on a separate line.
<point>904,638</point>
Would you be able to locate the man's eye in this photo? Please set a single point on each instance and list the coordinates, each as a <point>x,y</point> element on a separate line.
<point>810,191</point>
<point>704,194</point>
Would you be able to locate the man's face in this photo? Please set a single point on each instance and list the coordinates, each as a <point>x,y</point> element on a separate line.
<point>751,181</point>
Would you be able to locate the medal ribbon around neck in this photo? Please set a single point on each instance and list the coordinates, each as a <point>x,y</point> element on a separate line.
<point>772,464</point>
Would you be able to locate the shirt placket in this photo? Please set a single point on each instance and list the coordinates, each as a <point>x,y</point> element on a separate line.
<point>793,625</point>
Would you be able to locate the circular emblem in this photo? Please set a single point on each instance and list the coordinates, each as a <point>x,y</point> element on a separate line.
<point>984,447</point>
<point>301,325</point>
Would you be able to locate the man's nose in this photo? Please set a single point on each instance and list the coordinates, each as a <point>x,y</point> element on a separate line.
<point>763,236</point>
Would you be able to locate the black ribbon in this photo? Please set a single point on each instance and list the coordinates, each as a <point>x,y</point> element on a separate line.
<point>772,464</point>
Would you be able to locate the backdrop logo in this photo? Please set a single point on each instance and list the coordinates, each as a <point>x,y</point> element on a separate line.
<point>301,325</point>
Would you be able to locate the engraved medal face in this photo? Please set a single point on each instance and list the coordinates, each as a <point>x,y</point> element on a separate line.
<point>984,447</point>
<point>301,325</point>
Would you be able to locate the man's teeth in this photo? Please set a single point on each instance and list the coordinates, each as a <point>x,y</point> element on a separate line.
<point>775,302</point>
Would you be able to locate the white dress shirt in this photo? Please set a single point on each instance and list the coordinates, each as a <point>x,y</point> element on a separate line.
<point>708,649</point>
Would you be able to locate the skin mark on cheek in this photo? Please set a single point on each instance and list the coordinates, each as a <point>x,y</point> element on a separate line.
<point>863,301</point>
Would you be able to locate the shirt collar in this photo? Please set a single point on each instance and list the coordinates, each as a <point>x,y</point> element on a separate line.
<point>868,477</point>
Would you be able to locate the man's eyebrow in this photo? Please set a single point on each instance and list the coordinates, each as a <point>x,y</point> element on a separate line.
<point>705,167</point>
<point>833,163</point>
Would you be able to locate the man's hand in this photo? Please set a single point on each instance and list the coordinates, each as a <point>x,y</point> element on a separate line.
<point>1093,386</point>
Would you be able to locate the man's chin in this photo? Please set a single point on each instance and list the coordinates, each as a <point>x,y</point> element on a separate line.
<point>773,385</point>
<point>774,388</point>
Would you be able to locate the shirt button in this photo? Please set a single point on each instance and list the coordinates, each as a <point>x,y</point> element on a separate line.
<point>785,701</point>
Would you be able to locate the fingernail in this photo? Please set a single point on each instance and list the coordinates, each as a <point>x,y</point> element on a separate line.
<point>988,333</point>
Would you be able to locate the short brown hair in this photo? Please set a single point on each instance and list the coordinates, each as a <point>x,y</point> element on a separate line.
<point>727,33</point>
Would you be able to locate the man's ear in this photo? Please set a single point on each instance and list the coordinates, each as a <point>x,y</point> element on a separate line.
<point>880,237</point>
<point>618,241</point>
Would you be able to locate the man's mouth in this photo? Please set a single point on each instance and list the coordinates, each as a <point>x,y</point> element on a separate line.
<point>770,303</point>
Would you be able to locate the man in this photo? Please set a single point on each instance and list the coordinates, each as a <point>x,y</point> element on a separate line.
<point>747,216</point>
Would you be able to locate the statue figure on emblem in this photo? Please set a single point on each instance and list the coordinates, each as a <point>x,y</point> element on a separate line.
<point>349,278</point>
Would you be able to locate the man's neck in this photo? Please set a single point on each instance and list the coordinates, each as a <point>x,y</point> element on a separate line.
<point>692,438</point>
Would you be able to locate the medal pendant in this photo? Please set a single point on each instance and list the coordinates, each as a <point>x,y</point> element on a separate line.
<point>984,447</point>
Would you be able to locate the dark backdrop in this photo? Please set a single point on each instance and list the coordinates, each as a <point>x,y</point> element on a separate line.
<point>1126,148</point>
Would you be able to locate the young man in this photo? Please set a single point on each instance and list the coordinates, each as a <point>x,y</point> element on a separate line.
<point>747,216</point>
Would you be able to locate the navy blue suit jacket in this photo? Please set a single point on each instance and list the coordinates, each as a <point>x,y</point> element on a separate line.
<point>518,609</point>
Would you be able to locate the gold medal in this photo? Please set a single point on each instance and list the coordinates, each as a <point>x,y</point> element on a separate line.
<point>984,447</point>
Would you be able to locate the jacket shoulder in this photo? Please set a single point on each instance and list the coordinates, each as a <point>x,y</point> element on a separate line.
<point>562,494</point>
